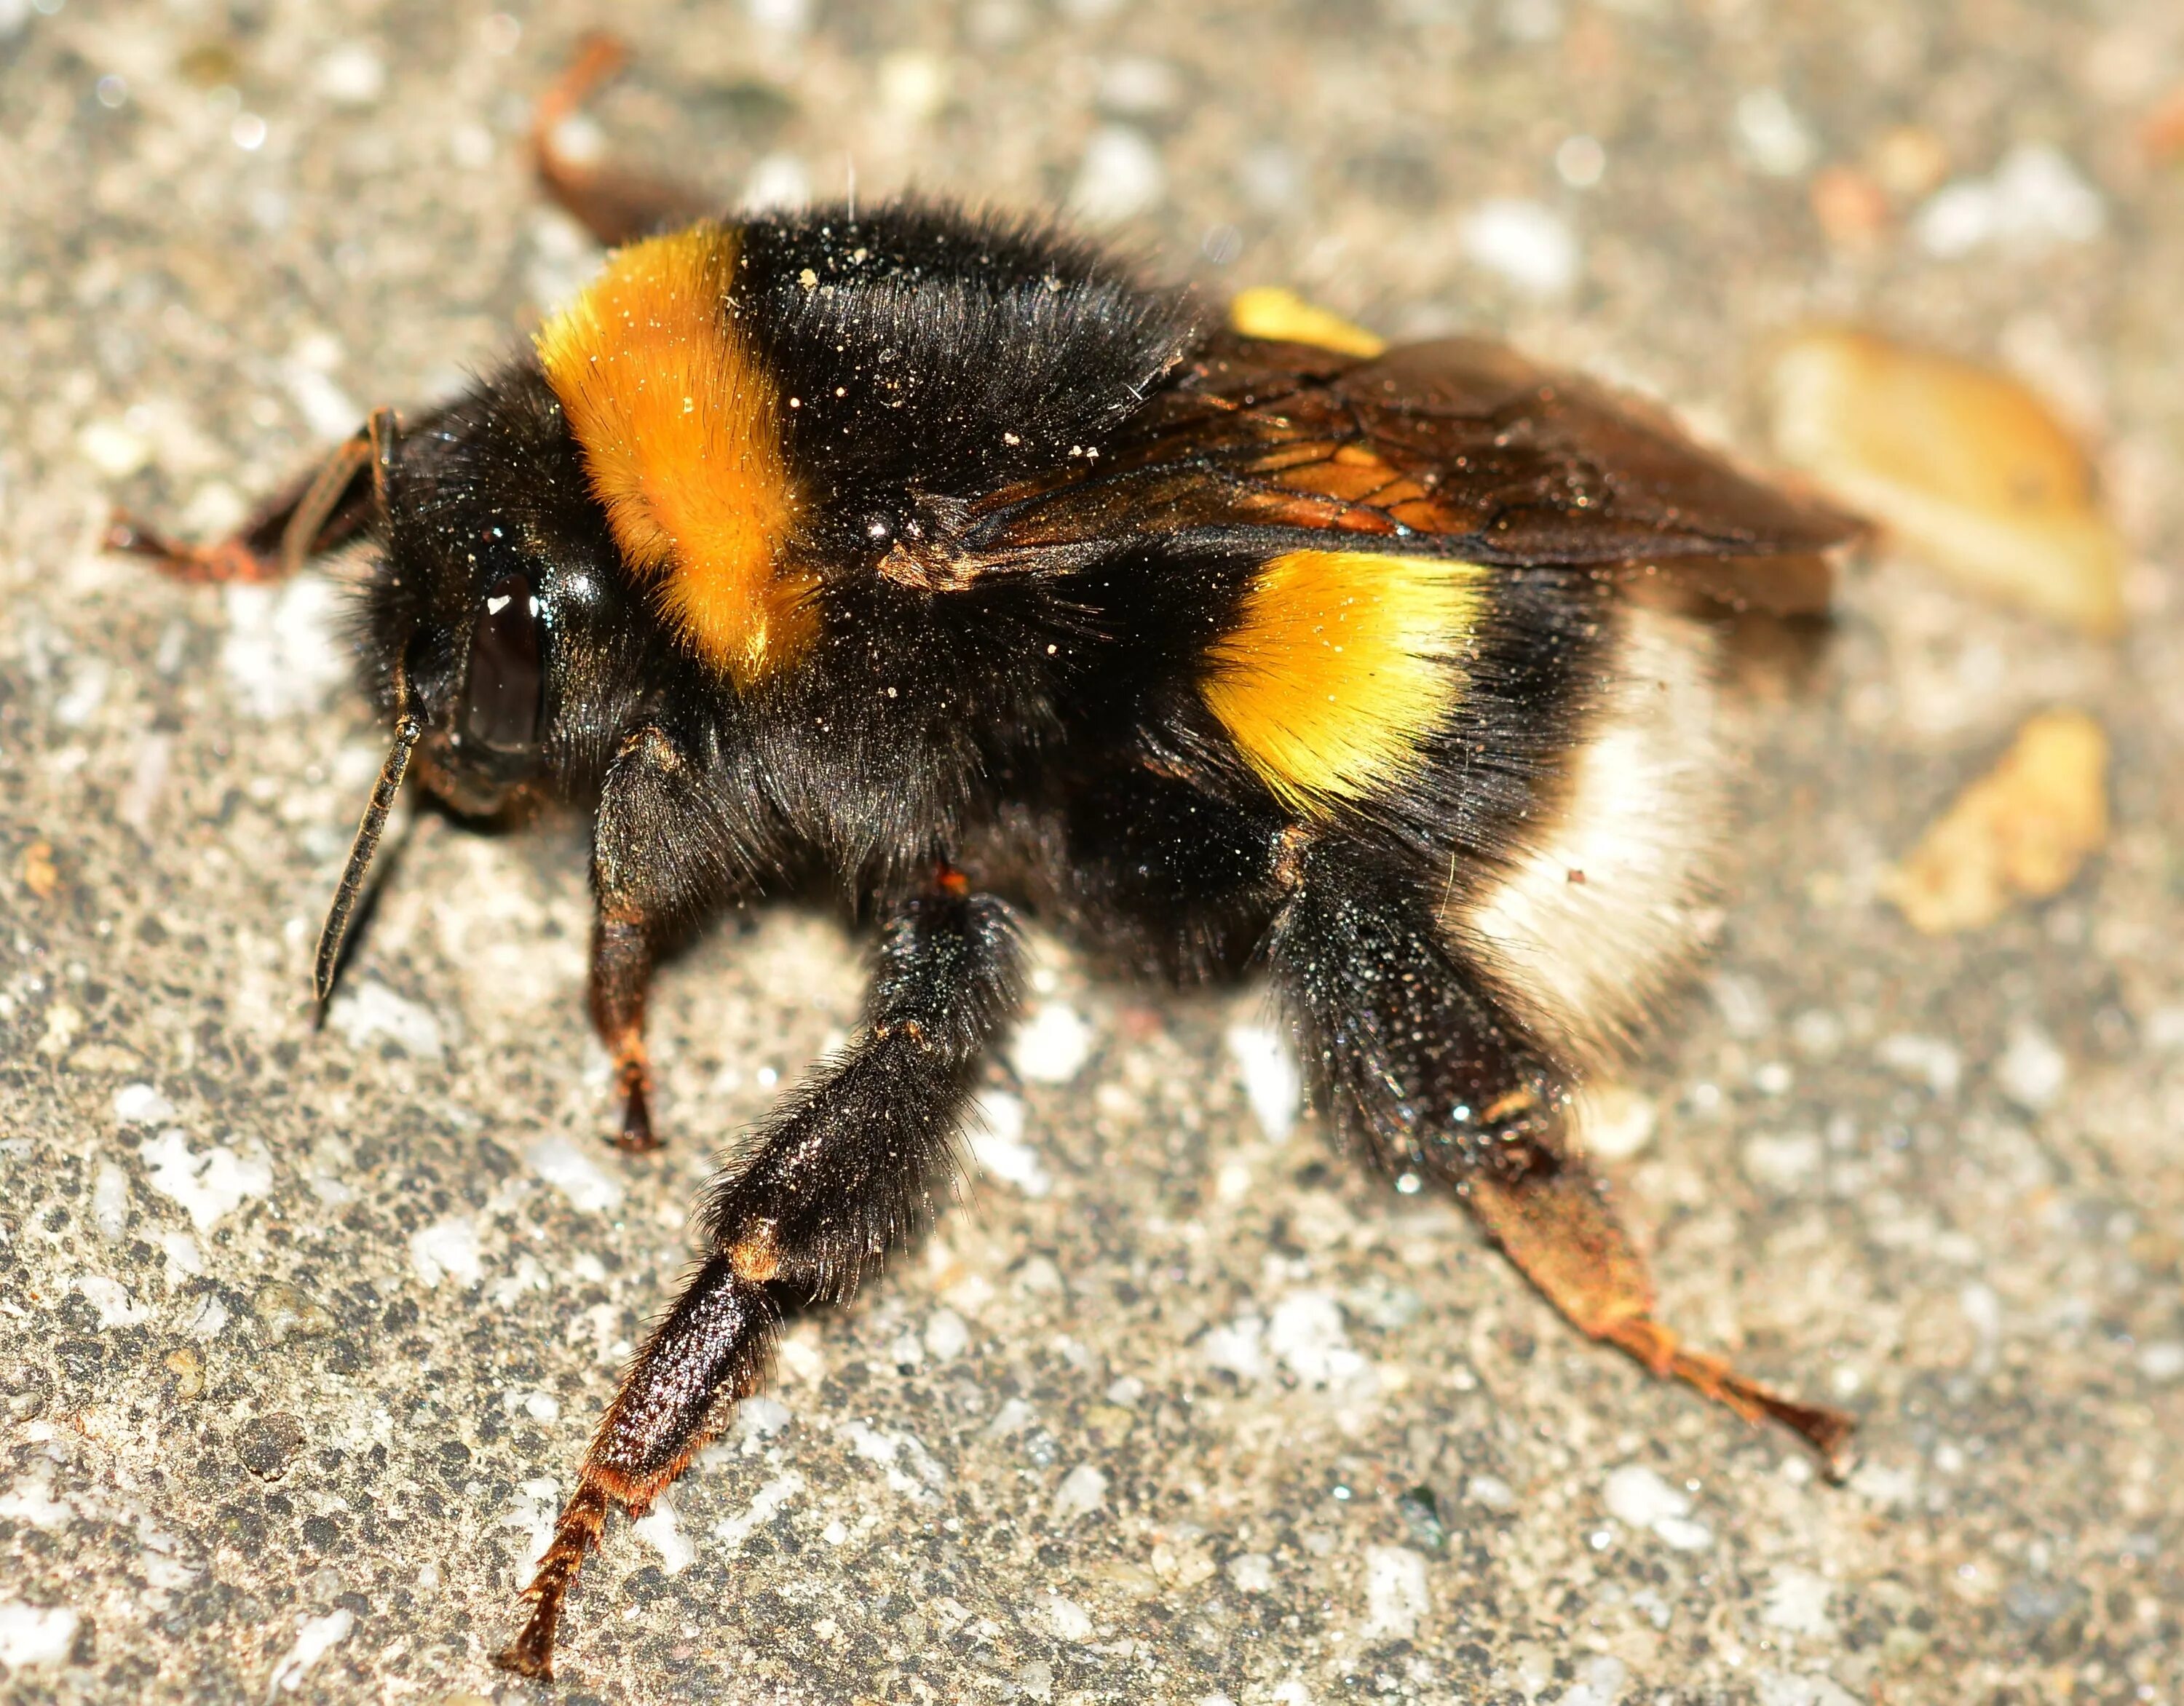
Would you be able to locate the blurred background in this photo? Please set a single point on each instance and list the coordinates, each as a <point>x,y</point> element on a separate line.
<point>302,1330</point>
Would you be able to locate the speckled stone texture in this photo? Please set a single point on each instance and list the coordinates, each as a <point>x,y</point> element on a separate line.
<point>302,1330</point>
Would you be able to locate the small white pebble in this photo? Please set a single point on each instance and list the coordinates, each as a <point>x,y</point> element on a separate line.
<point>139,1104</point>
<point>1236,1347</point>
<point>1272,1083</point>
<point>764,1504</point>
<point>762,1417</point>
<point>1307,1333</point>
<point>352,75</point>
<point>1528,244</point>
<point>1638,1496</point>
<point>1053,1045</point>
<point>1745,1013</point>
<point>109,1201</point>
<point>1251,1572</point>
<point>1121,176</point>
<point>662,1531</point>
<point>35,1635</point>
<point>1797,1601</point>
<point>1068,1619</point>
<point>1491,1491</point>
<point>1770,136</point>
<point>1083,1490</point>
<point>777,181</point>
<point>284,652</point>
<point>1580,162</point>
<point>946,1337</point>
<point>913,86</point>
<point>373,1010</point>
<point>210,1185</point>
<point>575,1174</point>
<point>447,1249</point>
<point>113,449</point>
<point>1395,1596</point>
<point>315,1637</point>
<point>1786,1161</point>
<point>2036,197</point>
<point>2032,1071</point>
<point>1928,1059</point>
<point>1613,1122</point>
<point>995,1136</point>
<point>1600,1681</point>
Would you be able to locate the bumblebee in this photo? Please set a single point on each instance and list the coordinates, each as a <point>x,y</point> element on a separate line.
<point>934,557</point>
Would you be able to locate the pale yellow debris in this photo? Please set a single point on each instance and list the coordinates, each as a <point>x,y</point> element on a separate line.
<point>2022,832</point>
<point>1269,311</point>
<point>1964,467</point>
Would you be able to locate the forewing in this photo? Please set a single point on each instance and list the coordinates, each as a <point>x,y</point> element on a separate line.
<point>1458,449</point>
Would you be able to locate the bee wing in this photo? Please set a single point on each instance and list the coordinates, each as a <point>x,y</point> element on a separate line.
<point>1458,448</point>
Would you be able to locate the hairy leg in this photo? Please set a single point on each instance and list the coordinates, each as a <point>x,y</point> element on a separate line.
<point>321,509</point>
<point>614,206</point>
<point>851,1164</point>
<point>662,856</point>
<point>1435,1081</point>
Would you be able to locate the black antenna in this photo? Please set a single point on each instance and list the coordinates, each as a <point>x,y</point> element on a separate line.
<point>336,933</point>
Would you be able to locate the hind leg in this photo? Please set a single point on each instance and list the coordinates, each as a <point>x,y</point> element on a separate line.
<point>1433,1079</point>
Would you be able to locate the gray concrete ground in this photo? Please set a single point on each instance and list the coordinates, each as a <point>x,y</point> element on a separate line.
<point>301,1331</point>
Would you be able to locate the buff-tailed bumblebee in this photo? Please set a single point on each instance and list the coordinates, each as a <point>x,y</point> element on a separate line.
<point>934,556</point>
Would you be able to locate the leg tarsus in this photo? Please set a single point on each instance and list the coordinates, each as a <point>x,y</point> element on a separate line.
<point>231,559</point>
<point>637,1137</point>
<point>583,1519</point>
<point>1560,1230</point>
<point>1828,1431</point>
<point>615,206</point>
<point>326,507</point>
<point>621,979</point>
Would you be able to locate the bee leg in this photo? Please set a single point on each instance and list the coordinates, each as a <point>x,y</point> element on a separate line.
<point>846,1170</point>
<point>662,854</point>
<point>1428,1073</point>
<point>324,508</point>
<point>622,976</point>
<point>1562,1231</point>
<point>615,207</point>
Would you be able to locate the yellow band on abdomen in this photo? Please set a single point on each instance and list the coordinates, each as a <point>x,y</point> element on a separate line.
<point>1342,665</point>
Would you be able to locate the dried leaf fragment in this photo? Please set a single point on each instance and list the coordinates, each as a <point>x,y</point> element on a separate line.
<point>41,875</point>
<point>2021,831</point>
<point>1269,311</point>
<point>1965,466</point>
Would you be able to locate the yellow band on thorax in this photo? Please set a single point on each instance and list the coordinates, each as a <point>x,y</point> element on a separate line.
<point>680,428</point>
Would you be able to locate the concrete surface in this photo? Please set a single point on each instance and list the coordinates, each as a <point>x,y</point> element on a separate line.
<point>301,1333</point>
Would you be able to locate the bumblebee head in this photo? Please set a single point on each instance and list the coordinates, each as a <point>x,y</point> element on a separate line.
<point>487,627</point>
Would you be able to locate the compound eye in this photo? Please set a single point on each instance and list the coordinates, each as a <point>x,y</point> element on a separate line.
<point>501,703</point>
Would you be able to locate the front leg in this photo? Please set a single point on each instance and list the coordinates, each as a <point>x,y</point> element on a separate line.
<point>851,1164</point>
<point>663,855</point>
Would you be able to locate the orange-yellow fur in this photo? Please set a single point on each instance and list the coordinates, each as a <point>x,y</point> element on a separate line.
<point>1340,666</point>
<point>681,433</point>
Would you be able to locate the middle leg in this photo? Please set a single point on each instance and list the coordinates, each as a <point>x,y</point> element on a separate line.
<point>852,1164</point>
